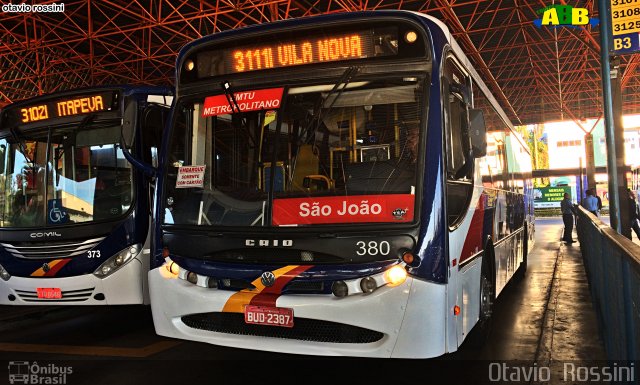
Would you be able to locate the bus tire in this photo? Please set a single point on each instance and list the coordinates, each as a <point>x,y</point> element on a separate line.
<point>482,330</point>
<point>522,270</point>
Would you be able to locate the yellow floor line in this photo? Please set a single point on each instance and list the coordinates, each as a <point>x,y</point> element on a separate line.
<point>90,350</point>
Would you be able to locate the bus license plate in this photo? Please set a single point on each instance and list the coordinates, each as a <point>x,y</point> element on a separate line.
<point>266,315</point>
<point>49,292</point>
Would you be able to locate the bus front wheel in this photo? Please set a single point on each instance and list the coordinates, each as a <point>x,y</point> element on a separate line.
<point>481,332</point>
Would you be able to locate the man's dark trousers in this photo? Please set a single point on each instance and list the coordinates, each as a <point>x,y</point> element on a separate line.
<point>568,227</point>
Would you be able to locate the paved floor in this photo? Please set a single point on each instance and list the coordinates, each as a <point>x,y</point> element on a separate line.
<point>540,321</point>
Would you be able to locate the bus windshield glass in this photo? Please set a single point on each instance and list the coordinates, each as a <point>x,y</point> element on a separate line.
<point>339,152</point>
<point>63,175</point>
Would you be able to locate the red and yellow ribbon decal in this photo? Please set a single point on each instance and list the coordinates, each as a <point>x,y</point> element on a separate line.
<point>262,295</point>
<point>54,267</point>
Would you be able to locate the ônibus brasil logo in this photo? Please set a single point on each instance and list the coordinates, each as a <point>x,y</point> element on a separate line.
<point>564,16</point>
<point>31,373</point>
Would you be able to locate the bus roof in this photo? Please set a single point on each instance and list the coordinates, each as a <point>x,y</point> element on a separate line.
<point>296,22</point>
<point>318,19</point>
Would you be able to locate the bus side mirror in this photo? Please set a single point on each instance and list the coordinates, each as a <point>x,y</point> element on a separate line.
<point>128,124</point>
<point>146,123</point>
<point>478,133</point>
<point>154,117</point>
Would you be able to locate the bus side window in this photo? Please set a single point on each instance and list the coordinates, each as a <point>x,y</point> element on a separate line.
<point>459,163</point>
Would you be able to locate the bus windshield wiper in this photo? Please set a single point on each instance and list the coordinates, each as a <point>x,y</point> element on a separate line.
<point>235,108</point>
<point>339,87</point>
<point>17,136</point>
<point>315,123</point>
<point>231,99</point>
<point>86,121</point>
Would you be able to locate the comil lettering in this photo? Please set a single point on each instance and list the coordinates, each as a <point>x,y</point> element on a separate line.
<point>45,234</point>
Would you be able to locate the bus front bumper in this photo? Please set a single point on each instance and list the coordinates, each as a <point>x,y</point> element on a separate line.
<point>408,320</point>
<point>123,287</point>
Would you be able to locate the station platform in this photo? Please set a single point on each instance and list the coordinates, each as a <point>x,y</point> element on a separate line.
<point>570,334</point>
<point>547,320</point>
<point>544,320</point>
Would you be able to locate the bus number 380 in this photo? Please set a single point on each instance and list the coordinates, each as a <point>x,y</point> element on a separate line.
<point>373,248</point>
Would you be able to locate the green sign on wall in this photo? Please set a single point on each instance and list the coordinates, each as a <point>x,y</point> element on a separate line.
<point>549,196</point>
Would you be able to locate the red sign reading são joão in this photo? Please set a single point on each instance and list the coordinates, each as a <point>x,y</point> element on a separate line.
<point>344,209</point>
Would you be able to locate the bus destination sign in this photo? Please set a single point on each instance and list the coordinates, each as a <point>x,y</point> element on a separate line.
<point>298,52</point>
<point>66,107</point>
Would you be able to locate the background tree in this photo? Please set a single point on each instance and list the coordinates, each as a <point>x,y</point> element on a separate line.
<point>537,142</point>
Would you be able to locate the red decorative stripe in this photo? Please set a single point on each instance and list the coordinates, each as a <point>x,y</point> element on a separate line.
<point>473,240</point>
<point>54,270</point>
<point>269,295</point>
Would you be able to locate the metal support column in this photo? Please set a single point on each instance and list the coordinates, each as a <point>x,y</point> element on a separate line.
<point>607,104</point>
<point>618,129</point>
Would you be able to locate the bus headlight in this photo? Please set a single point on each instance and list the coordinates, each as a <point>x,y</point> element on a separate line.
<point>114,263</point>
<point>396,275</point>
<point>172,267</point>
<point>4,274</point>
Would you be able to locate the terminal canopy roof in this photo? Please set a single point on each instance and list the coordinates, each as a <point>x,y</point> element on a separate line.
<point>537,73</point>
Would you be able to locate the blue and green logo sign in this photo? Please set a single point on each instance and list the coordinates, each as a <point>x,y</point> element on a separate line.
<point>564,16</point>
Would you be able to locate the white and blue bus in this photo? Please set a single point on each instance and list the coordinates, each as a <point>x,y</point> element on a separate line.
<point>74,214</point>
<point>336,185</point>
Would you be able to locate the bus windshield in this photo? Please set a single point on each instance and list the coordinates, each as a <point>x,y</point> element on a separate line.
<point>63,175</point>
<point>342,151</point>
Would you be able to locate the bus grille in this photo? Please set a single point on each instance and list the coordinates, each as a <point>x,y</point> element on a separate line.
<point>67,296</point>
<point>306,287</point>
<point>50,250</point>
<point>294,287</point>
<point>267,256</point>
<point>304,329</point>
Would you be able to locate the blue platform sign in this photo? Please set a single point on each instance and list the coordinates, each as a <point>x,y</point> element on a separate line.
<point>625,26</point>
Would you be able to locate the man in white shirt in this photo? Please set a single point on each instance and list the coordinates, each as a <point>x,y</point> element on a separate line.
<point>590,203</point>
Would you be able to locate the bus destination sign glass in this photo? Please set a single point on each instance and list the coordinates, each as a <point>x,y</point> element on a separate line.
<point>304,51</point>
<point>65,107</point>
